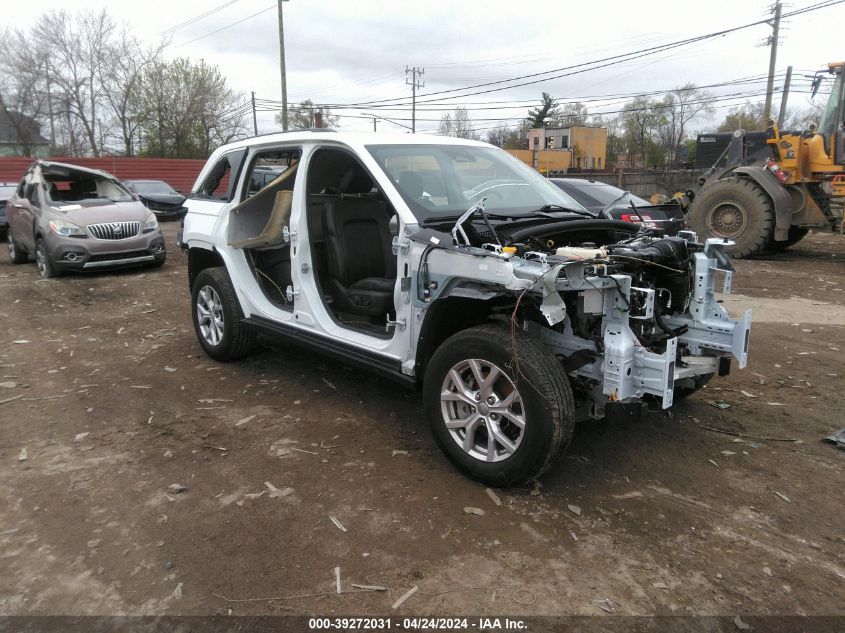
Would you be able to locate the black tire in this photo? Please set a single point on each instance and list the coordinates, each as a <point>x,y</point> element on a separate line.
<point>544,392</point>
<point>796,234</point>
<point>16,254</point>
<point>159,263</point>
<point>43,261</point>
<point>687,387</point>
<point>234,340</point>
<point>737,209</point>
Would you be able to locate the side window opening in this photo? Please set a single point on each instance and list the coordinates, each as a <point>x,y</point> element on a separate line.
<point>350,233</point>
<point>222,180</point>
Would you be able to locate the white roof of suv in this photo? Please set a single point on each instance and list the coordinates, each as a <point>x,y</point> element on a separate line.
<point>350,138</point>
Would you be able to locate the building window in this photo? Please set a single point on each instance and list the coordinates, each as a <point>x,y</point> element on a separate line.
<point>599,162</point>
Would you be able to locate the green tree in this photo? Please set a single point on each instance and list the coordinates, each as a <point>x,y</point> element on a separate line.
<point>302,116</point>
<point>748,116</point>
<point>187,110</point>
<point>546,115</point>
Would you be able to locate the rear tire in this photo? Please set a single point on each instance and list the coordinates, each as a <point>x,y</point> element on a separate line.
<point>16,254</point>
<point>500,422</point>
<point>217,316</point>
<point>737,209</point>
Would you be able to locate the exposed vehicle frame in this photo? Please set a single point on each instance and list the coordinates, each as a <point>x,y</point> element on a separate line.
<point>513,328</point>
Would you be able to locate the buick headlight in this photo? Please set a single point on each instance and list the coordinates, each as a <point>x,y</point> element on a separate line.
<point>66,229</point>
<point>150,224</point>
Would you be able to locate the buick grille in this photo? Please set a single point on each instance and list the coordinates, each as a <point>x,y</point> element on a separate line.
<point>114,230</point>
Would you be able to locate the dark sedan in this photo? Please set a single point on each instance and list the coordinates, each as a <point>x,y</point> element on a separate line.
<point>158,197</point>
<point>612,202</point>
<point>6,191</point>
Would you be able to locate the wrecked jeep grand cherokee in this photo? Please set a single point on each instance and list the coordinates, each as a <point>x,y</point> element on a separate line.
<point>450,265</point>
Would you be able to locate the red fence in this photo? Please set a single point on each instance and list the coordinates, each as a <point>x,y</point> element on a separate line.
<point>180,173</point>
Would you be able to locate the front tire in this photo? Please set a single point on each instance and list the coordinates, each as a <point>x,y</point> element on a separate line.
<point>16,254</point>
<point>501,420</point>
<point>43,261</point>
<point>736,209</point>
<point>217,316</point>
<point>796,234</point>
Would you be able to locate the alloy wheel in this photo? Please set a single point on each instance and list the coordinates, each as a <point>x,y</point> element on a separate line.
<point>482,409</point>
<point>210,315</point>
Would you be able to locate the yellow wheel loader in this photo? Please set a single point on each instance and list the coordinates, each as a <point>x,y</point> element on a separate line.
<point>767,190</point>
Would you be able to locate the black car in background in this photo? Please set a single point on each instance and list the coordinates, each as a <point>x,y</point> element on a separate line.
<point>159,197</point>
<point>612,202</point>
<point>6,191</point>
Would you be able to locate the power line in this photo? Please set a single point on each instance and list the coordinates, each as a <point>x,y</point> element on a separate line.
<point>249,17</point>
<point>575,69</point>
<point>197,18</point>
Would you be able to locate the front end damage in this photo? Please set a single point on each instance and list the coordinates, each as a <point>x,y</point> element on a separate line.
<point>628,316</point>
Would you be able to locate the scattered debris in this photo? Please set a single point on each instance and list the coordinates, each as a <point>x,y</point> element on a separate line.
<point>535,489</point>
<point>767,571</point>
<point>22,456</point>
<point>719,404</point>
<point>7,384</point>
<point>168,454</point>
<point>659,585</point>
<point>243,421</point>
<point>20,395</point>
<point>636,494</point>
<point>176,488</point>
<point>369,587</point>
<point>170,369</point>
<point>141,386</point>
<point>572,534</point>
<point>177,593</point>
<point>249,497</point>
<point>493,496</point>
<point>742,626</point>
<point>751,437</point>
<point>530,599</point>
<point>728,453</point>
<point>330,385</point>
<point>80,436</point>
<point>338,524</point>
<point>405,596</point>
<point>782,496</point>
<point>395,453</point>
<point>605,604</point>
<point>713,462</point>
<point>20,342</point>
<point>302,450</point>
<point>209,400</point>
<point>471,510</point>
<point>837,438</point>
<point>574,510</point>
<point>775,404</point>
<point>746,394</point>
<point>337,577</point>
<point>275,493</point>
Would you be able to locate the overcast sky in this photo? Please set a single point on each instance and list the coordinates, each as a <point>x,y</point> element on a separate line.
<point>349,52</point>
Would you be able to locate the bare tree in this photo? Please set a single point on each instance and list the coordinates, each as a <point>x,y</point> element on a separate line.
<point>120,82</point>
<point>457,124</point>
<point>22,94</point>
<point>302,116</point>
<point>677,110</point>
<point>77,47</point>
<point>573,115</point>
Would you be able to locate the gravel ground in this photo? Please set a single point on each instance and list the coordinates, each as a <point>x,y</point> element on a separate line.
<point>667,516</point>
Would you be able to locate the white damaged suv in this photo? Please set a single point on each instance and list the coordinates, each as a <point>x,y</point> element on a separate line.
<point>449,265</point>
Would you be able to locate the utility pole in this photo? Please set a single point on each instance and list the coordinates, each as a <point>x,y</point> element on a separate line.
<point>773,44</point>
<point>784,96</point>
<point>282,66</point>
<point>415,83</point>
<point>254,118</point>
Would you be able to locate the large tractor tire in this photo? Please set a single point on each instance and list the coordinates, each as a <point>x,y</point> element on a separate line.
<point>736,209</point>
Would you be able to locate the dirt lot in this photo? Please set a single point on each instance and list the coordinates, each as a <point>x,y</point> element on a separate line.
<point>661,517</point>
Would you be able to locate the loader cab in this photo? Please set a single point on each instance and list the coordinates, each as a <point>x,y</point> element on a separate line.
<point>832,124</point>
